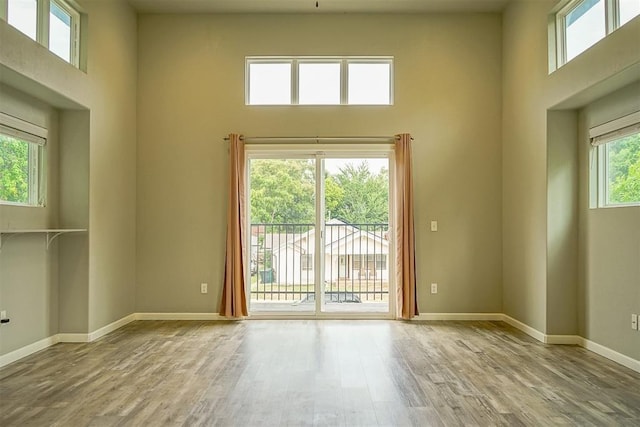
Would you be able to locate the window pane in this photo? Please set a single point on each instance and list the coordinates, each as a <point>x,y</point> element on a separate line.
<point>14,170</point>
<point>23,14</point>
<point>584,26</point>
<point>60,32</point>
<point>628,10</point>
<point>269,84</point>
<point>623,170</point>
<point>319,84</point>
<point>369,84</point>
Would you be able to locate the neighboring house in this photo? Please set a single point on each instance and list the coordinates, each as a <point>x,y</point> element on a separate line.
<point>350,253</point>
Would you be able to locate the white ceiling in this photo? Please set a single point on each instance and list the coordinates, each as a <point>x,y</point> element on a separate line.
<point>309,6</point>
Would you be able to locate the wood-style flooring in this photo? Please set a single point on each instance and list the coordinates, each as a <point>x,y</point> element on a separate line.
<point>306,372</point>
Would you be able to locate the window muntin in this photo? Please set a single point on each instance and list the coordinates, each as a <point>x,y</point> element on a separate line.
<point>23,15</point>
<point>629,9</point>
<point>52,23</point>
<point>321,81</point>
<point>579,24</point>
<point>369,83</point>
<point>622,170</point>
<point>269,83</point>
<point>21,168</point>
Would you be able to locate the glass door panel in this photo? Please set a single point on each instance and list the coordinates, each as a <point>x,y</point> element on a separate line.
<point>328,254</point>
<point>356,239</point>
<point>282,212</point>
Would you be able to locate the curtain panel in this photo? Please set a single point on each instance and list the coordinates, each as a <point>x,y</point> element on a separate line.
<point>234,300</point>
<point>407,303</point>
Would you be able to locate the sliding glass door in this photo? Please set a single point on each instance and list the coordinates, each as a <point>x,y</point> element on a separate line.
<point>319,233</point>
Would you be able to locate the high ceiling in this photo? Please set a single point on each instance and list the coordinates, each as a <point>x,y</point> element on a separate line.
<point>309,6</point>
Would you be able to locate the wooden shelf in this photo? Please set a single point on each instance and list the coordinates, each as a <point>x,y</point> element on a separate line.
<point>51,233</point>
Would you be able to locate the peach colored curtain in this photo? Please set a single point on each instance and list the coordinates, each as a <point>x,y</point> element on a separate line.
<point>405,238</point>
<point>234,302</point>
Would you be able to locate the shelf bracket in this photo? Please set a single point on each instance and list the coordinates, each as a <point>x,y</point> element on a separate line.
<point>51,237</point>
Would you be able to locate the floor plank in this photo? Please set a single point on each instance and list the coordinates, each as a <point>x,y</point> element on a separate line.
<point>317,373</point>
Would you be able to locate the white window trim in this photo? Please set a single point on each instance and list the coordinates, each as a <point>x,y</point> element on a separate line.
<point>344,77</point>
<point>75,28</point>
<point>599,137</point>
<point>36,136</point>
<point>42,25</point>
<point>557,30</point>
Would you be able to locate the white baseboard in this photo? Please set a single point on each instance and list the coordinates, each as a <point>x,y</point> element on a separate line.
<point>99,333</point>
<point>459,316</point>
<point>603,351</point>
<point>27,350</point>
<point>563,339</point>
<point>611,354</point>
<point>73,338</point>
<point>63,337</point>
<point>540,336</point>
<point>532,332</point>
<point>179,316</point>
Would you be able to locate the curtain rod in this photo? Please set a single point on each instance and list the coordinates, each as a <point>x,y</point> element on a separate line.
<point>317,139</point>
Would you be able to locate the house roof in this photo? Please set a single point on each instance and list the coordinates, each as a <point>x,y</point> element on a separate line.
<point>350,233</point>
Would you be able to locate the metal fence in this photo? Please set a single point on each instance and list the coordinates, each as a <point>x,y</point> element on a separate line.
<point>355,260</point>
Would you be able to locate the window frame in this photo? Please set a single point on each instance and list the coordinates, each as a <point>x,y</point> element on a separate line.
<point>608,133</point>
<point>36,137</point>
<point>295,61</point>
<point>42,25</point>
<point>557,31</point>
<point>74,48</point>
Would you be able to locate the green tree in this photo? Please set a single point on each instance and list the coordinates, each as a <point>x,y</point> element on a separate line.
<point>14,170</point>
<point>624,170</point>
<point>365,195</point>
<point>282,191</point>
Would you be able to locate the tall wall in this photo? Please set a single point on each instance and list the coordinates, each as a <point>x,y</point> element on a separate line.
<point>191,94</point>
<point>28,272</point>
<point>112,73</point>
<point>93,116</point>
<point>544,244</point>
<point>609,243</point>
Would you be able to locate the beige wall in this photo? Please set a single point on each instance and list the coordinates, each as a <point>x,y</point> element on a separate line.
<point>28,272</point>
<point>609,244</point>
<point>499,147</point>
<point>112,73</point>
<point>524,159</point>
<point>541,231</point>
<point>191,94</point>
<point>96,119</point>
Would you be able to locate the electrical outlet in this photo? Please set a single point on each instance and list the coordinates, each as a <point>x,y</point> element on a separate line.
<point>634,322</point>
<point>3,314</point>
<point>203,288</point>
<point>434,288</point>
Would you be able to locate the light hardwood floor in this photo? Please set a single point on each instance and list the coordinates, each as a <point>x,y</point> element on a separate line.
<point>305,372</point>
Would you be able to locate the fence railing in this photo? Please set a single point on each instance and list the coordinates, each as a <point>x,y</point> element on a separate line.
<point>354,258</point>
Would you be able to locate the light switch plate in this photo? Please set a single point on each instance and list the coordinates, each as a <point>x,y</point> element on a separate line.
<point>434,225</point>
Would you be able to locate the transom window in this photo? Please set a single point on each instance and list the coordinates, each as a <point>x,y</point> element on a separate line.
<point>616,172</point>
<point>22,157</point>
<point>319,80</point>
<point>582,23</point>
<point>52,23</point>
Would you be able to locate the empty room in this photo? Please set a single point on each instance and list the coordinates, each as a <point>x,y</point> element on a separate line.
<point>333,212</point>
